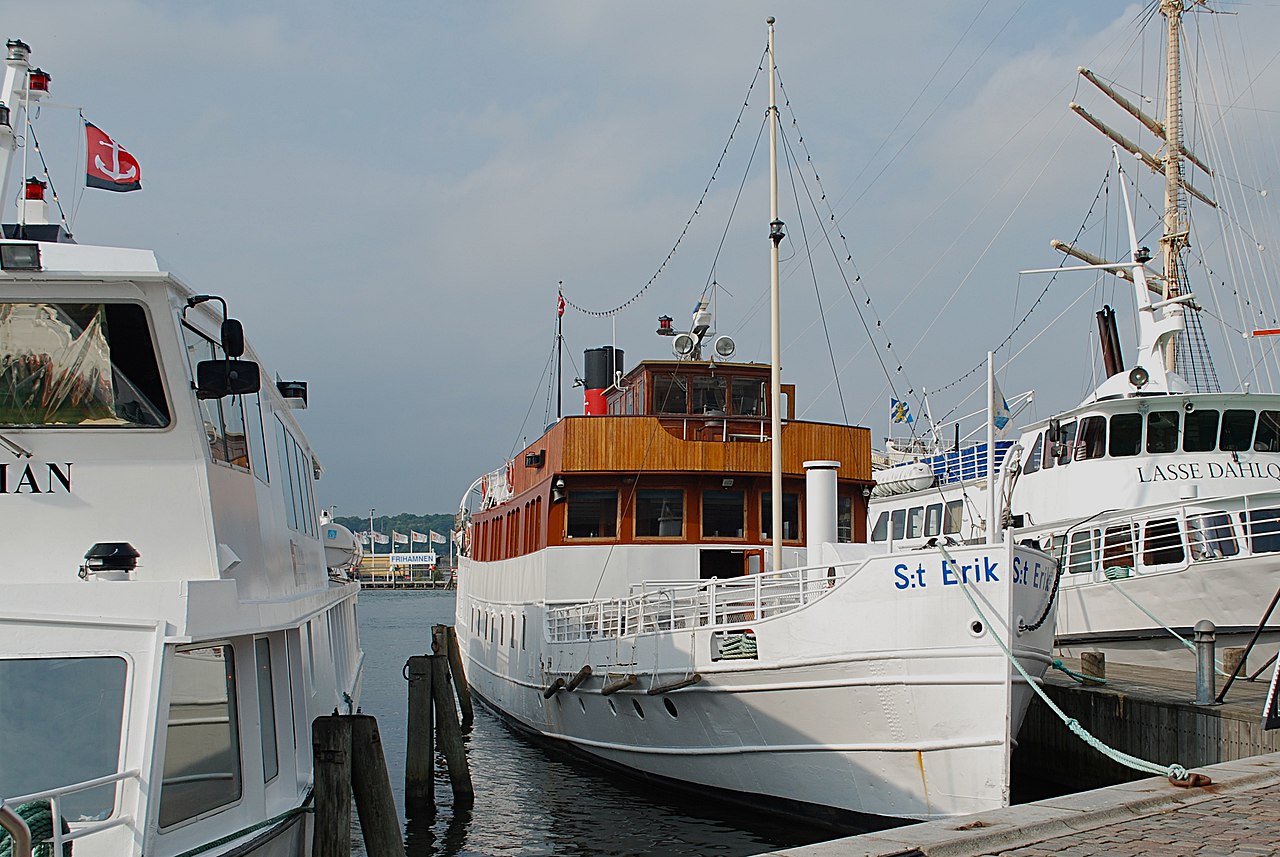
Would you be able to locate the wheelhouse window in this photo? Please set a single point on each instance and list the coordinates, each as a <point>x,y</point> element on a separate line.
<point>1237,430</point>
<point>266,709</point>
<point>953,517</point>
<point>1211,537</point>
<point>79,365</point>
<point>709,396</point>
<point>202,748</point>
<point>1162,542</point>
<point>748,397</point>
<point>1067,443</point>
<point>844,518</point>
<point>61,719</point>
<point>1093,438</point>
<point>880,532</point>
<point>723,514</point>
<point>1162,431</point>
<point>232,424</point>
<point>1200,432</point>
<point>933,519</point>
<point>660,513</point>
<point>1262,528</point>
<point>592,515</point>
<point>898,518</point>
<point>1126,435</point>
<point>670,394</point>
<point>790,515</point>
<point>915,522</point>
<point>1037,452</point>
<point>1268,437</point>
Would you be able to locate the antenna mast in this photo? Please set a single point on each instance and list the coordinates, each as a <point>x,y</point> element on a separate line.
<point>1176,223</point>
<point>775,376</point>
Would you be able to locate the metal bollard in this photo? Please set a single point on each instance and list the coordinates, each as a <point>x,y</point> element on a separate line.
<point>1205,637</point>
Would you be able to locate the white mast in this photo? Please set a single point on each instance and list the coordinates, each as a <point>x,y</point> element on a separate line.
<point>14,95</point>
<point>775,374</point>
<point>992,500</point>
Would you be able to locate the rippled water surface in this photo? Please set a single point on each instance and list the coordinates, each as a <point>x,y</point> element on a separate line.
<point>528,800</point>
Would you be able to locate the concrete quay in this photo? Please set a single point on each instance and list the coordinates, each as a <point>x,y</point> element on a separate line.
<point>1239,814</point>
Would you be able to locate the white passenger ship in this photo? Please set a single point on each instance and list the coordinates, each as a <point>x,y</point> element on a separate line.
<point>168,626</point>
<point>1160,493</point>
<point>669,584</point>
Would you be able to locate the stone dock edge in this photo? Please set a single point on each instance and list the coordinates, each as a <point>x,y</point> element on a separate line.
<point>1027,824</point>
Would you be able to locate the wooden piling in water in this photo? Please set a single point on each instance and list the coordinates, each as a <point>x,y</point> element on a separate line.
<point>419,768</point>
<point>331,752</point>
<point>449,734</point>
<point>460,679</point>
<point>375,805</point>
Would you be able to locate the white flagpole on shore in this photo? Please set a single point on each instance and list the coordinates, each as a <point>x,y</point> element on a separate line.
<point>991,448</point>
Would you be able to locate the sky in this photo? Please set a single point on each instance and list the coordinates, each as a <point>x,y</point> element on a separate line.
<point>389,193</point>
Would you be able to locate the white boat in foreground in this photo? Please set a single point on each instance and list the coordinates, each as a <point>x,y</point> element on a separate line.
<point>168,625</point>
<point>649,585</point>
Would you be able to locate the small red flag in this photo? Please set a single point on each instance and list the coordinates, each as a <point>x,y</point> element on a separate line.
<point>107,165</point>
<point>560,308</point>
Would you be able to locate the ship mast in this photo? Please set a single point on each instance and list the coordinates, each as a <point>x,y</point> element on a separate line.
<point>1176,224</point>
<point>775,374</point>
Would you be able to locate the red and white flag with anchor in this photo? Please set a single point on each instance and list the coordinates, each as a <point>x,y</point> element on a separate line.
<point>107,165</point>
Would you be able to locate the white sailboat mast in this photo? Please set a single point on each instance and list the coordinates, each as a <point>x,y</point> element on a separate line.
<point>775,375</point>
<point>1176,228</point>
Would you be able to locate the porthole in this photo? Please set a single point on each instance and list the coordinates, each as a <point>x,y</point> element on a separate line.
<point>976,628</point>
<point>635,703</point>
<point>670,706</point>
<point>613,709</point>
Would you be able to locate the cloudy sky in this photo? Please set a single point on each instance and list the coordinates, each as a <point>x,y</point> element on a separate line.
<point>388,193</point>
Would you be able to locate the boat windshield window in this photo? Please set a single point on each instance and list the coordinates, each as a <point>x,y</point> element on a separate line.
<point>1162,542</point>
<point>660,512</point>
<point>78,365</point>
<point>1081,557</point>
<point>899,520</point>
<point>1201,434</point>
<point>1211,537</point>
<point>670,394</point>
<point>790,515</point>
<point>61,720</point>
<point>1262,527</point>
<point>1126,435</point>
<point>1067,439</point>
<point>954,517</point>
<point>1268,437</point>
<point>1093,438</point>
<point>915,522</point>
<point>933,519</point>
<point>1037,452</point>
<point>748,397</point>
<point>1162,431</point>
<point>592,515</point>
<point>880,532</point>
<point>266,709</point>
<point>1237,430</point>
<point>202,745</point>
<point>724,514</point>
<point>708,396</point>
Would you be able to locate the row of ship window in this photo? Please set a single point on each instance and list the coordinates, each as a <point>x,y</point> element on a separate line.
<point>1207,430</point>
<point>1168,541</point>
<point>934,519</point>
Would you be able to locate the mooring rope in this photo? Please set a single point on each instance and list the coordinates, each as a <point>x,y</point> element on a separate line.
<point>1173,772</point>
<point>38,814</point>
<point>1217,664</point>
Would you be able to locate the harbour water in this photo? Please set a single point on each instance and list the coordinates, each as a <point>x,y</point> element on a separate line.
<point>529,800</point>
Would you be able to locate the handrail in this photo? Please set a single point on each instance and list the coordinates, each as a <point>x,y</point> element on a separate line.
<point>16,827</point>
<point>55,795</point>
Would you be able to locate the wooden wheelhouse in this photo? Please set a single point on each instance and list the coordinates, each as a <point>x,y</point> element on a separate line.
<point>681,454</point>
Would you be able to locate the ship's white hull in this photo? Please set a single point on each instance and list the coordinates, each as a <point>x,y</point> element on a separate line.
<point>878,696</point>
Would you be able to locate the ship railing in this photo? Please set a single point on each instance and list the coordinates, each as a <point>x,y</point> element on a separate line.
<point>655,606</point>
<point>1171,535</point>
<point>80,829</point>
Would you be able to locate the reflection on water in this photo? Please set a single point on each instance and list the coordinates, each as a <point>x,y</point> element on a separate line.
<point>529,801</point>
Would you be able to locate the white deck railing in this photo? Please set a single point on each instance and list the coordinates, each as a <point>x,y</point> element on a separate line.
<point>674,605</point>
<point>81,829</point>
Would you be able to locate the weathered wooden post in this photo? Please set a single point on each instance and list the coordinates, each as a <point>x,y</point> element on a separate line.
<point>1093,664</point>
<point>419,768</point>
<point>460,679</point>
<point>375,805</point>
<point>449,735</point>
<point>331,752</point>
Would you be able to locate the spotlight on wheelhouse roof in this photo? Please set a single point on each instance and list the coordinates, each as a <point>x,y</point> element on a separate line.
<point>725,346</point>
<point>20,257</point>
<point>1139,377</point>
<point>683,344</point>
